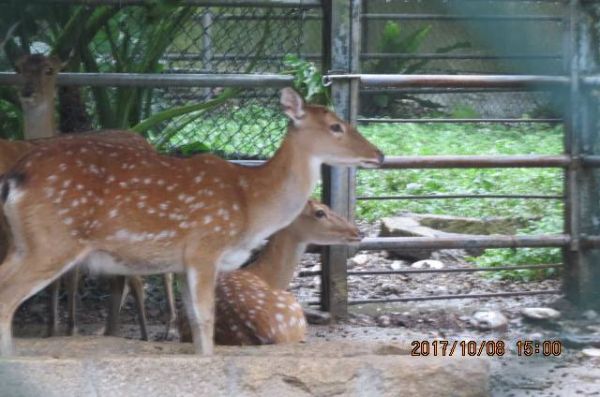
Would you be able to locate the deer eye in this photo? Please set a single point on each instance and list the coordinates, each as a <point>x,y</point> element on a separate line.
<point>320,214</point>
<point>336,128</point>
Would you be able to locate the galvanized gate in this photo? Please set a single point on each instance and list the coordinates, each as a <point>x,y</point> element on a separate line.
<point>579,241</point>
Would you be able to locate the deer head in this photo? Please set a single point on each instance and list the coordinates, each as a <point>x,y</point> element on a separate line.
<point>325,135</point>
<point>39,75</point>
<point>318,224</point>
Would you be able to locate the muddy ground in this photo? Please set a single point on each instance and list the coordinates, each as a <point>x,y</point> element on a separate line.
<point>573,372</point>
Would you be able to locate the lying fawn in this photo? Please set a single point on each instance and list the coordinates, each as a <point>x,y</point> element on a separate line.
<point>37,97</point>
<point>252,306</point>
<point>122,210</point>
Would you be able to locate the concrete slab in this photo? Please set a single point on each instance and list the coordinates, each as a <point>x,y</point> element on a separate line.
<point>100,366</point>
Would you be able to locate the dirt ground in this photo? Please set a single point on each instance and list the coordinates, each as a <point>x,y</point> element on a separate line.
<point>573,372</point>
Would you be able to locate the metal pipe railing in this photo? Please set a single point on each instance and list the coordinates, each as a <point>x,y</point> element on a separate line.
<point>204,3</point>
<point>458,121</point>
<point>309,273</point>
<point>427,162</point>
<point>452,81</point>
<point>454,296</point>
<point>465,196</point>
<point>446,17</point>
<point>530,161</point>
<point>483,57</point>
<point>464,241</point>
<point>161,80</point>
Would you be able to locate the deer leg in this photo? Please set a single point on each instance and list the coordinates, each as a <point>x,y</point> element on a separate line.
<point>16,285</point>
<point>72,281</point>
<point>137,287</point>
<point>172,321</point>
<point>199,299</point>
<point>53,308</point>
<point>117,286</point>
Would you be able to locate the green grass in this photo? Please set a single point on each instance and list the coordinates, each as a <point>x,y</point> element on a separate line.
<point>468,139</point>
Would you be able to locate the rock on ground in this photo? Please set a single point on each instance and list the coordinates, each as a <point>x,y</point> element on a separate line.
<point>540,313</point>
<point>488,320</point>
<point>98,366</point>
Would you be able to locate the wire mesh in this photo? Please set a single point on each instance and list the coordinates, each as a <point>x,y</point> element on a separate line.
<point>149,39</point>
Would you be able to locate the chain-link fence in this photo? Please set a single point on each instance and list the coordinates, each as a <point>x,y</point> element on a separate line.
<point>158,38</point>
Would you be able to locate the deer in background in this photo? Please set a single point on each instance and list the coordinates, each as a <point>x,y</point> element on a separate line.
<point>37,101</point>
<point>156,214</point>
<point>252,306</point>
<point>37,97</point>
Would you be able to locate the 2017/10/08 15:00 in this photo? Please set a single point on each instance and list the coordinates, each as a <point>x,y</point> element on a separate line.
<point>471,348</point>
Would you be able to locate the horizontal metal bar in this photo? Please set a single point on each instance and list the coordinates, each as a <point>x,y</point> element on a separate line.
<point>525,161</point>
<point>423,162</point>
<point>227,57</point>
<point>457,296</point>
<point>433,56</point>
<point>453,81</point>
<point>478,17</point>
<point>448,120</point>
<point>590,161</point>
<point>590,241</point>
<point>161,80</point>
<point>465,196</point>
<point>591,80</point>
<point>442,90</point>
<point>203,3</point>
<point>254,17</point>
<point>444,297</point>
<point>454,270</point>
<point>464,241</point>
<point>310,273</point>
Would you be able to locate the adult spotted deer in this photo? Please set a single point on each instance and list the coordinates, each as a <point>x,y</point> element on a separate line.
<point>72,202</point>
<point>37,97</point>
<point>252,306</point>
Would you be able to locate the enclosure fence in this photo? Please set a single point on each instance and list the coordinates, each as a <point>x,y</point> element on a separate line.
<point>579,242</point>
<point>217,46</point>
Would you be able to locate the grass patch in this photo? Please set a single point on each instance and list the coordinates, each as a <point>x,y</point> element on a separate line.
<point>471,139</point>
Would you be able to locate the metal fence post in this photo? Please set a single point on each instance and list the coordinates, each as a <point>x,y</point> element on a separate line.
<point>207,47</point>
<point>339,182</point>
<point>582,207</point>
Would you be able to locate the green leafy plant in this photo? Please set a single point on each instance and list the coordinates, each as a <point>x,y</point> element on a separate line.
<point>394,41</point>
<point>308,80</point>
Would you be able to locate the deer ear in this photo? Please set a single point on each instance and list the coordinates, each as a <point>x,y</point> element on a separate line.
<point>293,104</point>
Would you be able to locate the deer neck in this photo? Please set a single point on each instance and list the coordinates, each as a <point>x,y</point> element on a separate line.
<point>276,263</point>
<point>38,120</point>
<point>278,190</point>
